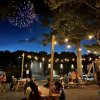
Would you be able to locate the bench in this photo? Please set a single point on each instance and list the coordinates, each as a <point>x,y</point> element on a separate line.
<point>20,84</point>
<point>53,97</point>
<point>71,84</point>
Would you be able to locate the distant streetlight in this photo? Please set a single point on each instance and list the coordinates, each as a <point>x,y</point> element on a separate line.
<point>61,66</point>
<point>72,66</point>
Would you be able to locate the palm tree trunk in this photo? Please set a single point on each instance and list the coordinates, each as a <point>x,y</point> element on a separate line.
<point>79,59</point>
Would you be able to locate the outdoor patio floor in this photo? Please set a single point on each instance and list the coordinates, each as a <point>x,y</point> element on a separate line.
<point>89,92</point>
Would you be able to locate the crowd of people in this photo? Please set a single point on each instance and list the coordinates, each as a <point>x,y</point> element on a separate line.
<point>72,77</point>
<point>34,92</point>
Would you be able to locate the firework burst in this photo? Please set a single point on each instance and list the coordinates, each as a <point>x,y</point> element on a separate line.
<point>22,14</point>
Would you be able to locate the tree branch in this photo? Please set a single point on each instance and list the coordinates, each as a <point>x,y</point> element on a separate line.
<point>91,6</point>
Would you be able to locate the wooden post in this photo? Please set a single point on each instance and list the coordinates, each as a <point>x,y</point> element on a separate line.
<point>22,65</point>
<point>51,67</point>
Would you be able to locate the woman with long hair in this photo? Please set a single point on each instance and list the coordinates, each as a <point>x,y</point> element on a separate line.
<point>34,94</point>
<point>59,89</point>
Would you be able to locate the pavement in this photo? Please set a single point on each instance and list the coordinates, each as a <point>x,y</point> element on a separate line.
<point>88,92</point>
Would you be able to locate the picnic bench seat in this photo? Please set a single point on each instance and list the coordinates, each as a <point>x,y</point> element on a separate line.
<point>20,84</point>
<point>71,84</point>
<point>53,97</point>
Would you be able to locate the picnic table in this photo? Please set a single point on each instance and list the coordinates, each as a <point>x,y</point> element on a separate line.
<point>72,84</point>
<point>20,84</point>
<point>45,94</point>
<point>47,97</point>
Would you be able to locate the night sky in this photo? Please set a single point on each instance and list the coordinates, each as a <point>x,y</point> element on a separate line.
<point>28,38</point>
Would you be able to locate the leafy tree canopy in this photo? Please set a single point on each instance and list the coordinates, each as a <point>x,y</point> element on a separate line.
<point>74,19</point>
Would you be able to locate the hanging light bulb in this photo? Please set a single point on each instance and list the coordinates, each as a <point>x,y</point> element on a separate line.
<point>55,42</point>
<point>88,51</point>
<point>80,49</point>
<point>66,40</point>
<point>68,46</point>
<point>90,36</point>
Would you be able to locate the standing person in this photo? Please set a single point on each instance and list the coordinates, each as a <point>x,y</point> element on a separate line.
<point>59,89</point>
<point>73,76</point>
<point>61,78</point>
<point>13,83</point>
<point>66,80</point>
<point>26,84</point>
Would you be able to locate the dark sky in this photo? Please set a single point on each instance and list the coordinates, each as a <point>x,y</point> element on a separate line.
<point>28,38</point>
<point>14,38</point>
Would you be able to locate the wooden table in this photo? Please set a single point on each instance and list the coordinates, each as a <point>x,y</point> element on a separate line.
<point>20,84</point>
<point>55,96</point>
<point>76,84</point>
<point>47,97</point>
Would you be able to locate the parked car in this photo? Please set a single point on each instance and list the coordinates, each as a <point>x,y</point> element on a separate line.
<point>88,78</point>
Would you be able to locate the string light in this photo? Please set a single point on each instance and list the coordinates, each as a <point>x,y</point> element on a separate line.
<point>49,65</point>
<point>83,59</point>
<point>95,52</point>
<point>57,60</point>
<point>43,59</point>
<point>90,59</point>
<point>55,42</point>
<point>90,36</point>
<point>88,51</point>
<point>29,56</point>
<point>61,65</point>
<point>61,60</point>
<point>80,49</point>
<point>68,46</point>
<point>49,60</point>
<point>66,40</point>
<point>73,59</point>
<point>22,15</point>
<point>36,58</point>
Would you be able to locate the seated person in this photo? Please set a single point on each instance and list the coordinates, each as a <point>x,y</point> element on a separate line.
<point>13,83</point>
<point>59,89</point>
<point>32,92</point>
<point>46,85</point>
<point>44,89</point>
<point>26,84</point>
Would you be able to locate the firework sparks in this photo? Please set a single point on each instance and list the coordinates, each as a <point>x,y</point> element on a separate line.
<point>23,14</point>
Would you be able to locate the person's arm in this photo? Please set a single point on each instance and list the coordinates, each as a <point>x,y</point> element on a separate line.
<point>39,90</point>
<point>28,90</point>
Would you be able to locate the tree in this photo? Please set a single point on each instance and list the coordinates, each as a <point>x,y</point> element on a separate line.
<point>74,19</point>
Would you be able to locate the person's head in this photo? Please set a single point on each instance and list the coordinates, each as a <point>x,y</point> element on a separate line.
<point>4,74</point>
<point>32,85</point>
<point>46,85</point>
<point>34,88</point>
<point>12,77</point>
<point>28,80</point>
<point>58,84</point>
